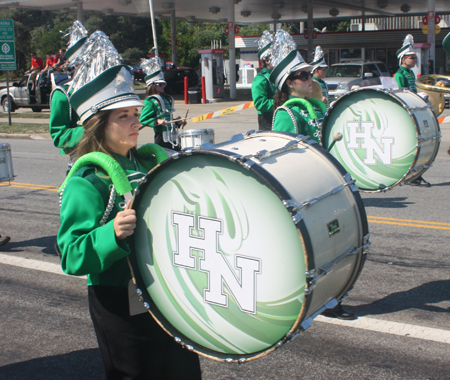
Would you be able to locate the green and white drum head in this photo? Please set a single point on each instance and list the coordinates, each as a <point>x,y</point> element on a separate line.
<point>379,146</point>
<point>239,247</point>
<point>217,257</point>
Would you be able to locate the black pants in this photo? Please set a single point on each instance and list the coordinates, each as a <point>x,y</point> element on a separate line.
<point>135,347</point>
<point>265,121</point>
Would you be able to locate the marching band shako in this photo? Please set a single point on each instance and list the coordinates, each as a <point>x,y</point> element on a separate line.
<point>389,136</point>
<point>238,248</point>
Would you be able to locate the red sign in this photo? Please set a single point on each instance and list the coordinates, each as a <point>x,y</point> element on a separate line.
<point>236,30</point>
<point>437,20</point>
<point>306,35</point>
<point>177,43</point>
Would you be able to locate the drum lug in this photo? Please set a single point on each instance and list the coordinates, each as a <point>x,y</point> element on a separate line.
<point>293,208</point>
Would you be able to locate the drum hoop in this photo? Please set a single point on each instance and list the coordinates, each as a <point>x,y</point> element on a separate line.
<point>415,122</point>
<point>190,132</point>
<point>303,234</point>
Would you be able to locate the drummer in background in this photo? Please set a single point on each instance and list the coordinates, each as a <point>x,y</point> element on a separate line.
<point>319,70</point>
<point>159,107</point>
<point>93,237</point>
<point>406,78</point>
<point>263,89</point>
<point>293,77</point>
<point>291,74</point>
<point>64,128</point>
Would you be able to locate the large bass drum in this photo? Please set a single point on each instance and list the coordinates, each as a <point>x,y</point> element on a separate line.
<point>389,136</point>
<point>238,248</point>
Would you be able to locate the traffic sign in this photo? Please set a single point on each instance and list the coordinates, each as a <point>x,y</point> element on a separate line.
<point>7,46</point>
<point>437,29</point>
<point>177,42</point>
<point>437,20</point>
<point>236,30</point>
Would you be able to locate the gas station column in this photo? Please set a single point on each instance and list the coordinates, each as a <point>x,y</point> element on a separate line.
<point>173,33</point>
<point>232,51</point>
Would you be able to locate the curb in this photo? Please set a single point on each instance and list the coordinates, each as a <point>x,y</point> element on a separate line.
<point>20,136</point>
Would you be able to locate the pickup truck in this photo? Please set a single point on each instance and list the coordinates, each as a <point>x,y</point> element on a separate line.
<point>27,94</point>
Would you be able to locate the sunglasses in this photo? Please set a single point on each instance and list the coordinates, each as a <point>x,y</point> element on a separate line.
<point>303,76</point>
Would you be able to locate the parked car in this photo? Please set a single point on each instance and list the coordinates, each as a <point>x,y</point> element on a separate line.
<point>138,73</point>
<point>175,79</point>
<point>344,76</point>
<point>27,94</point>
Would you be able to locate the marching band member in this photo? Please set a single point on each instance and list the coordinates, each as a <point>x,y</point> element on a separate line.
<point>319,70</point>
<point>96,221</point>
<point>263,89</point>
<point>64,128</point>
<point>159,107</point>
<point>291,74</point>
<point>294,113</point>
<point>406,78</point>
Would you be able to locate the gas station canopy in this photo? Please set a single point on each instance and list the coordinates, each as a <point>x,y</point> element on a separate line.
<point>246,11</point>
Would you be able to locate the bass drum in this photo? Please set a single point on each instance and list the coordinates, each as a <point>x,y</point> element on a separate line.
<point>389,136</point>
<point>238,248</point>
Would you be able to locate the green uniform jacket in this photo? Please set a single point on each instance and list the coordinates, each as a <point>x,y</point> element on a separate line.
<point>152,110</point>
<point>263,92</point>
<point>406,79</point>
<point>86,247</point>
<point>306,125</point>
<point>323,87</point>
<point>64,130</point>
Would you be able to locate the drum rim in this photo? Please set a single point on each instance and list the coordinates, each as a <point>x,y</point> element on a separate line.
<point>190,132</point>
<point>304,237</point>
<point>392,94</point>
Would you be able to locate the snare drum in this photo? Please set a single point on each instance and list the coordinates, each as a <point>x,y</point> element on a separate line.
<point>389,136</point>
<point>195,138</point>
<point>6,168</point>
<point>238,248</point>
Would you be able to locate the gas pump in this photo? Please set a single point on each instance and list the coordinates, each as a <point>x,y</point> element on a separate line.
<point>212,70</point>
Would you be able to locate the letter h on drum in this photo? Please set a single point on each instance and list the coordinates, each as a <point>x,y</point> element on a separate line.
<point>220,273</point>
<point>370,145</point>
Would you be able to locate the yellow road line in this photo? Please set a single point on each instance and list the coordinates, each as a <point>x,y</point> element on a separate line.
<point>409,220</point>
<point>409,224</point>
<point>30,186</point>
<point>371,219</point>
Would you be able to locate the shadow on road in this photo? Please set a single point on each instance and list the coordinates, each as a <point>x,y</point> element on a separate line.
<point>387,202</point>
<point>85,364</point>
<point>421,297</point>
<point>46,242</point>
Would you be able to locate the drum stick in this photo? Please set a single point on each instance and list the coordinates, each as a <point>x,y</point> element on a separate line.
<point>337,136</point>
<point>185,118</point>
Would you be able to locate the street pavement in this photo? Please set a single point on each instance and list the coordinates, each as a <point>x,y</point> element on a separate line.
<point>402,297</point>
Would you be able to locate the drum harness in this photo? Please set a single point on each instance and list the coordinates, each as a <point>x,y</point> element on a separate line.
<point>309,108</point>
<point>172,134</point>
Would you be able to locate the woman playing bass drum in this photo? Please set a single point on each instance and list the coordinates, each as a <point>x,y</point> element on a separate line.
<point>97,219</point>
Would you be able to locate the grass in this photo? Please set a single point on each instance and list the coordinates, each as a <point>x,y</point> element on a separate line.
<point>30,115</point>
<point>23,128</point>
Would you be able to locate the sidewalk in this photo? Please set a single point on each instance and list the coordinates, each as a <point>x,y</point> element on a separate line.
<point>224,126</point>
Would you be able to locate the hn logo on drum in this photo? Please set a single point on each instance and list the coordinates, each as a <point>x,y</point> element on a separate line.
<point>240,282</point>
<point>364,130</point>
